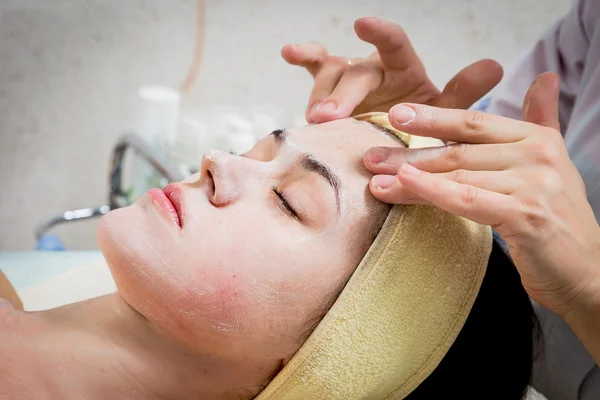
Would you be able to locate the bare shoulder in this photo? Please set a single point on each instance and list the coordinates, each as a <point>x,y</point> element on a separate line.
<point>19,378</point>
<point>8,293</point>
<point>9,362</point>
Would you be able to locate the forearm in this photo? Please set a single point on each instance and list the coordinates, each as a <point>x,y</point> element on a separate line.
<point>584,319</point>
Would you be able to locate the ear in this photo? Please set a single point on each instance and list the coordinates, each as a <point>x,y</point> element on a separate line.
<point>541,101</point>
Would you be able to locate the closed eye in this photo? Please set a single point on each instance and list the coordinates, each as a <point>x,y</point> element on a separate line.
<point>283,203</point>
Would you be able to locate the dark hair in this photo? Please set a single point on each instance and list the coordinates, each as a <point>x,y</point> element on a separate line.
<point>492,356</point>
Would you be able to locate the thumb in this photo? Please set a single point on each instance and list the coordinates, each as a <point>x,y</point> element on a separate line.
<point>470,84</point>
<point>541,101</point>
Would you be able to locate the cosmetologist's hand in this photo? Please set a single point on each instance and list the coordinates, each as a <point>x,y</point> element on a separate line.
<point>392,74</point>
<point>515,176</point>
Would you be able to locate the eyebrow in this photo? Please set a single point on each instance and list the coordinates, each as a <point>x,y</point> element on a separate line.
<point>390,133</point>
<point>309,163</point>
<point>280,135</point>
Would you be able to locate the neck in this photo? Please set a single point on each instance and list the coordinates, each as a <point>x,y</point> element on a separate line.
<point>104,347</point>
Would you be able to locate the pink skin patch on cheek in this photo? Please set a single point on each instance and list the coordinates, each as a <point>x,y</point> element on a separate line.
<point>215,299</point>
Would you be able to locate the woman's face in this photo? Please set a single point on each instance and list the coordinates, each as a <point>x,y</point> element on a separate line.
<point>256,245</point>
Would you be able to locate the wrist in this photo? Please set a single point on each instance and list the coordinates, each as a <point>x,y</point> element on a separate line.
<point>586,304</point>
<point>584,318</point>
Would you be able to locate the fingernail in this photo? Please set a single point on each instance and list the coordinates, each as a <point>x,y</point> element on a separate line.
<point>409,170</point>
<point>383,181</point>
<point>403,114</point>
<point>378,154</point>
<point>315,107</point>
<point>328,107</point>
<point>309,115</point>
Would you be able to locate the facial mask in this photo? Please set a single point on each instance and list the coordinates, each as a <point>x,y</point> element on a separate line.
<point>400,311</point>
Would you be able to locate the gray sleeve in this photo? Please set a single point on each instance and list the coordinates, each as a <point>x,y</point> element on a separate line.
<point>571,48</point>
<point>562,49</point>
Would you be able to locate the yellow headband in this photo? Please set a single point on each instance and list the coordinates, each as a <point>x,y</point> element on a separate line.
<point>400,311</point>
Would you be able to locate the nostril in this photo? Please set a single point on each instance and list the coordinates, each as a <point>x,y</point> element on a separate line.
<point>211,183</point>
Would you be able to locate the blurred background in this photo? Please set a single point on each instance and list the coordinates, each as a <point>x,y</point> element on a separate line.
<point>71,73</point>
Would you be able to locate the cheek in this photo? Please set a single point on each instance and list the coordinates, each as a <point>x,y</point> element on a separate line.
<point>232,279</point>
<point>244,285</point>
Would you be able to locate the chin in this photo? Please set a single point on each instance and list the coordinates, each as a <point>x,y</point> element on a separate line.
<point>133,233</point>
<point>139,254</point>
<point>177,285</point>
<point>128,254</point>
<point>128,243</point>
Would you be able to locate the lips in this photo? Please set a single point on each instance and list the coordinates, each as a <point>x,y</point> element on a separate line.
<point>173,193</point>
<point>168,201</point>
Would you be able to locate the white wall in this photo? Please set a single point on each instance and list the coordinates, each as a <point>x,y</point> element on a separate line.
<point>69,71</point>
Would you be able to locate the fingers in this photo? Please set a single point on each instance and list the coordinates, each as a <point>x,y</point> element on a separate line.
<point>541,101</point>
<point>479,205</point>
<point>332,98</point>
<point>481,157</point>
<point>357,82</point>
<point>325,82</point>
<point>389,189</point>
<point>463,126</point>
<point>393,45</point>
<point>471,84</point>
<point>308,55</point>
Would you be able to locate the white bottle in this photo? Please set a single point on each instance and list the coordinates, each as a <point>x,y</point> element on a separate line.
<point>263,124</point>
<point>191,142</point>
<point>240,137</point>
<point>158,115</point>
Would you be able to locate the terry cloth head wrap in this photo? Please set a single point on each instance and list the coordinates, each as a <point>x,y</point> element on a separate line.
<point>400,311</point>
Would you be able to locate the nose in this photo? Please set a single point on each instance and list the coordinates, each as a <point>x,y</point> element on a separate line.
<point>224,174</point>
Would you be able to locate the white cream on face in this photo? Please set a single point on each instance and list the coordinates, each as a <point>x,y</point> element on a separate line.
<point>245,273</point>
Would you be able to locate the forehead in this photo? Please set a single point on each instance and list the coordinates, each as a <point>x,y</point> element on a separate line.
<point>340,145</point>
<point>347,136</point>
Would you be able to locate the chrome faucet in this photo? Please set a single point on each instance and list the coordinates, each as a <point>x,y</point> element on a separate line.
<point>117,194</point>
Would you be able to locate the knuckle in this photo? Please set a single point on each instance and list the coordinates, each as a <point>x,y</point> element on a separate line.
<point>551,133</point>
<point>474,121</point>
<point>533,214</point>
<point>410,200</point>
<point>455,154</point>
<point>468,198</point>
<point>469,195</point>
<point>461,176</point>
<point>550,181</point>
<point>545,152</point>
